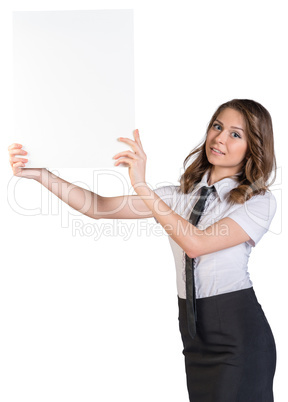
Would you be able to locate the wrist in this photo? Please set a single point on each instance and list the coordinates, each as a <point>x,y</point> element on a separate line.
<point>142,188</point>
<point>38,174</point>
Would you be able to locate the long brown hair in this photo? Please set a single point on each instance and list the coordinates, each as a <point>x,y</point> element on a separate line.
<point>260,157</point>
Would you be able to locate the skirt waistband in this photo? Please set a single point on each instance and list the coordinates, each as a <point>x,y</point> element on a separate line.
<point>226,297</point>
<point>224,305</point>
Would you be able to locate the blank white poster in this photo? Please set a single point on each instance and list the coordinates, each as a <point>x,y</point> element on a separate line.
<point>73,86</point>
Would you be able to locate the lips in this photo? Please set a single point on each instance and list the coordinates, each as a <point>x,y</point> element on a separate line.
<point>215,150</point>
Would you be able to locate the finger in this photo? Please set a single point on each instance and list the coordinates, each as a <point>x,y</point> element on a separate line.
<point>134,145</point>
<point>126,160</point>
<point>137,137</point>
<point>13,159</point>
<point>126,153</point>
<point>14,146</point>
<point>18,165</point>
<point>22,161</point>
<point>18,152</point>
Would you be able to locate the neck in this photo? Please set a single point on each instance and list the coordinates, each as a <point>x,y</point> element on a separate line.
<point>219,174</point>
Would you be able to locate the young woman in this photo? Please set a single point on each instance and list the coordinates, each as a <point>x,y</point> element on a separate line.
<point>231,356</point>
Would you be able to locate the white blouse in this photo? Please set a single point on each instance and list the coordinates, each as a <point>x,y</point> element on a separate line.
<point>225,270</point>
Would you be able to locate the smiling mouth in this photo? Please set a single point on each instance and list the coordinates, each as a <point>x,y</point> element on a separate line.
<point>217,151</point>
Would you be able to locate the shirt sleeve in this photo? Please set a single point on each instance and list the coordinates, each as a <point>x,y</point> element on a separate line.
<point>255,216</point>
<point>166,194</point>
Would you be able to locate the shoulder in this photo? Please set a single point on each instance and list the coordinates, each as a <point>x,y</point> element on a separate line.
<point>255,215</point>
<point>268,195</point>
<point>262,204</point>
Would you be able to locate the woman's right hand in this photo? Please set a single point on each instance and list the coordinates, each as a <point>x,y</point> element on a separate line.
<point>17,163</point>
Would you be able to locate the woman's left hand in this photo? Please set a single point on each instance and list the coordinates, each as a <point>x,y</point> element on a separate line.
<point>136,161</point>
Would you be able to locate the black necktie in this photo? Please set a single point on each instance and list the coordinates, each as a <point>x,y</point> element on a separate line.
<point>189,267</point>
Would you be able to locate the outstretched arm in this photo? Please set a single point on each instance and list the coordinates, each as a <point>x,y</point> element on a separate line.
<point>82,200</point>
<point>94,205</point>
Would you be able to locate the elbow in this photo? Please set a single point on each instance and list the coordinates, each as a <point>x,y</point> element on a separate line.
<point>192,253</point>
<point>94,216</point>
<point>193,249</point>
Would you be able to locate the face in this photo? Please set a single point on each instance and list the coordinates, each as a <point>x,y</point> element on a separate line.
<point>226,143</point>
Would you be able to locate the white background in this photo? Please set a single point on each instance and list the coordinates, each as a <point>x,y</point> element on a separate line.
<point>96,320</point>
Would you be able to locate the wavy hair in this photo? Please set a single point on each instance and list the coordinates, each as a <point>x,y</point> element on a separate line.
<point>260,157</point>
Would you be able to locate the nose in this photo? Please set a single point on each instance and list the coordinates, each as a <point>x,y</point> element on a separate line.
<point>221,137</point>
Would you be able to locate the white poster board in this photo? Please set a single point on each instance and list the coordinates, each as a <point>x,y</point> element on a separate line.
<point>73,86</point>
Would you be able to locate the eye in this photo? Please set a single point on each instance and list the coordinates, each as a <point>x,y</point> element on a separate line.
<point>236,135</point>
<point>216,125</point>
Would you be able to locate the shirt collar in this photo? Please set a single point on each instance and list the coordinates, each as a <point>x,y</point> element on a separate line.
<point>223,187</point>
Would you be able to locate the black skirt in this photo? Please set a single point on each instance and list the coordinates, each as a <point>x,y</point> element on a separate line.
<point>233,356</point>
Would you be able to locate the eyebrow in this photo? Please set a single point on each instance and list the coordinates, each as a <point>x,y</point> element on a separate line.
<point>238,128</point>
